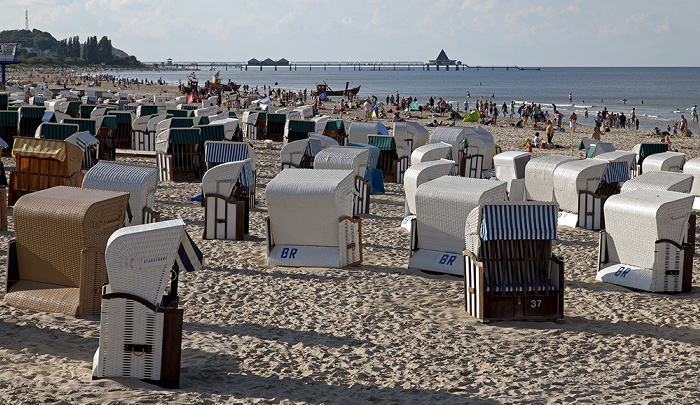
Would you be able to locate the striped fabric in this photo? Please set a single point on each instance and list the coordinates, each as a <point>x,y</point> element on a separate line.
<point>232,114</point>
<point>109,122</point>
<point>41,148</point>
<point>222,152</point>
<point>276,118</point>
<point>509,274</point>
<point>189,257</point>
<point>262,116</point>
<point>38,100</point>
<point>148,110</point>
<point>185,136</point>
<point>616,172</point>
<point>648,149</point>
<point>204,120</point>
<point>178,122</point>
<point>4,98</point>
<point>178,113</point>
<point>73,106</point>
<point>9,118</point>
<point>27,111</point>
<point>246,177</point>
<point>302,126</point>
<point>334,125</point>
<point>382,142</point>
<point>84,124</point>
<point>212,132</point>
<point>57,131</point>
<point>122,117</point>
<point>83,140</point>
<point>86,109</point>
<point>519,222</point>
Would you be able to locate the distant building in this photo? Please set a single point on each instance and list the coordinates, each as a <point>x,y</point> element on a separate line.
<point>169,62</point>
<point>254,62</point>
<point>443,60</point>
<point>268,62</point>
<point>282,62</point>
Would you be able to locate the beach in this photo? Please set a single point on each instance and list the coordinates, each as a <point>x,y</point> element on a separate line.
<point>378,332</point>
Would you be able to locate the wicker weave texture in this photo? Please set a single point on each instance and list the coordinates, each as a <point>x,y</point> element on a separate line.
<point>453,136</point>
<point>635,220</point>
<point>139,181</point>
<point>359,132</point>
<point>618,156</point>
<point>442,207</point>
<point>305,205</point>
<point>667,161</point>
<point>666,181</point>
<point>433,151</point>
<point>44,297</point>
<point>221,179</point>
<point>293,151</point>
<point>692,167</point>
<point>343,157</point>
<point>481,145</point>
<point>511,165</point>
<point>421,173</point>
<point>574,176</point>
<point>539,177</point>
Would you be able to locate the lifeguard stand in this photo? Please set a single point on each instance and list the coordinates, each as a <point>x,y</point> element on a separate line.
<point>8,56</point>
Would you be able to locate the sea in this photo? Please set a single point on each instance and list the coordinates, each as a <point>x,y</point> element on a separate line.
<point>659,95</point>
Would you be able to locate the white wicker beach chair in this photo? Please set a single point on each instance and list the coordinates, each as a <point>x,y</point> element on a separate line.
<point>412,133</point>
<point>649,241</point>
<point>139,181</point>
<point>539,177</point>
<point>455,137</point>
<point>432,151</point>
<point>393,156</point>
<point>442,207</point>
<point>599,148</point>
<point>420,173</point>
<point>139,337</point>
<point>230,126</point>
<point>178,155</point>
<point>89,145</point>
<point>576,184</point>
<point>358,132</point>
<point>629,158</point>
<point>665,161</point>
<point>310,219</point>
<point>226,215</point>
<point>320,122</point>
<point>646,149</point>
<point>669,181</point>
<point>355,159</point>
<point>326,141</point>
<point>510,272</point>
<point>509,166</point>
<point>692,167</point>
<point>478,159</point>
<point>217,152</point>
<point>300,154</point>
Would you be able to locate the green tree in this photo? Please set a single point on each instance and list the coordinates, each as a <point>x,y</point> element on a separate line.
<point>104,50</point>
<point>62,48</point>
<point>75,49</point>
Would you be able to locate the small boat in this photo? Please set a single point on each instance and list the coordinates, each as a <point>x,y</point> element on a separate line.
<point>324,88</point>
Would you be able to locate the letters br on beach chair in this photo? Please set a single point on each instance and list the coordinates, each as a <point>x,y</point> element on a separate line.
<point>56,261</point>
<point>141,325</point>
<point>667,181</point>
<point>139,181</point>
<point>43,163</point>
<point>510,272</point>
<point>649,241</point>
<point>394,156</point>
<point>178,154</point>
<point>442,207</point>
<point>352,158</point>
<point>577,191</point>
<point>664,162</point>
<point>421,173</point>
<point>509,166</point>
<point>226,210</point>
<point>217,152</point>
<point>646,149</point>
<point>310,220</point>
<point>300,154</point>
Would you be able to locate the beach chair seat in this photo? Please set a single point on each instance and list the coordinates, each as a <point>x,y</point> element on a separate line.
<point>576,183</point>
<point>393,158</point>
<point>509,166</point>
<point>139,181</point>
<point>668,181</point>
<point>141,326</point>
<point>664,161</point>
<point>218,152</point>
<point>226,211</point>
<point>420,173</point>
<point>311,221</point>
<point>539,177</point>
<point>649,241</point>
<point>56,261</point>
<point>275,126</point>
<point>300,154</point>
<point>442,207</point>
<point>336,129</point>
<point>355,159</point>
<point>178,154</point>
<point>510,272</point>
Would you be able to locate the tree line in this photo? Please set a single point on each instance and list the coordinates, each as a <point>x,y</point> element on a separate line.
<point>92,51</point>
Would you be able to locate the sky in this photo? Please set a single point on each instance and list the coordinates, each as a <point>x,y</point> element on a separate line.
<point>540,33</point>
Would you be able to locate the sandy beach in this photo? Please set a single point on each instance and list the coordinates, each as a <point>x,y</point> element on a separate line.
<point>375,333</point>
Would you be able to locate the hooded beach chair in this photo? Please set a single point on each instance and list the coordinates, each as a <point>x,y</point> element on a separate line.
<point>620,158</point>
<point>275,126</point>
<point>144,137</point>
<point>56,260</point>
<point>298,129</point>
<point>122,135</point>
<point>8,125</point>
<point>509,166</point>
<point>358,132</point>
<point>664,161</point>
<point>442,207</point>
<point>421,173</point>
<point>218,152</point>
<point>311,221</point>
<point>668,181</point>
<point>249,120</point>
<point>455,137</point>
<point>646,149</point>
<point>394,156</point>
<point>412,133</point>
<point>141,325</point>
<point>320,122</point>
<point>336,129</point>
<point>649,240</point>
<point>692,167</point>
<point>30,119</point>
<point>539,177</point>
<point>576,184</point>
<point>56,131</point>
<point>230,128</point>
<point>139,181</point>
<point>373,175</point>
<point>432,151</point>
<point>352,158</point>
<point>89,145</point>
<point>178,154</point>
<point>226,211</point>
<point>477,161</point>
<point>599,148</point>
<point>300,154</point>
<point>510,272</point>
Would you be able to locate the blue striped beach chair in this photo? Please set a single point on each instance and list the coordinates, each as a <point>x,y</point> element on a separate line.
<point>510,272</point>
<point>217,152</point>
<point>226,210</point>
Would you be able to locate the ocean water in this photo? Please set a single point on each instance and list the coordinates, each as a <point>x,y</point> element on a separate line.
<point>659,95</point>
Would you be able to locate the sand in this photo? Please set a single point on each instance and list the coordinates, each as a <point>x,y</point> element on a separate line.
<point>376,333</point>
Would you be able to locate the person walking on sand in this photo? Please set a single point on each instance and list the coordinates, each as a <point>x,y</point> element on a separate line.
<point>550,134</point>
<point>694,113</point>
<point>572,121</point>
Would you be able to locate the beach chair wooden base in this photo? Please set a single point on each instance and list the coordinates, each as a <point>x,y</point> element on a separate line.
<point>471,166</point>
<point>347,253</point>
<point>488,301</point>
<point>143,140</point>
<point>139,340</point>
<point>361,200</point>
<point>223,218</point>
<point>150,216</point>
<point>672,272</point>
<point>168,171</point>
<point>590,210</point>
